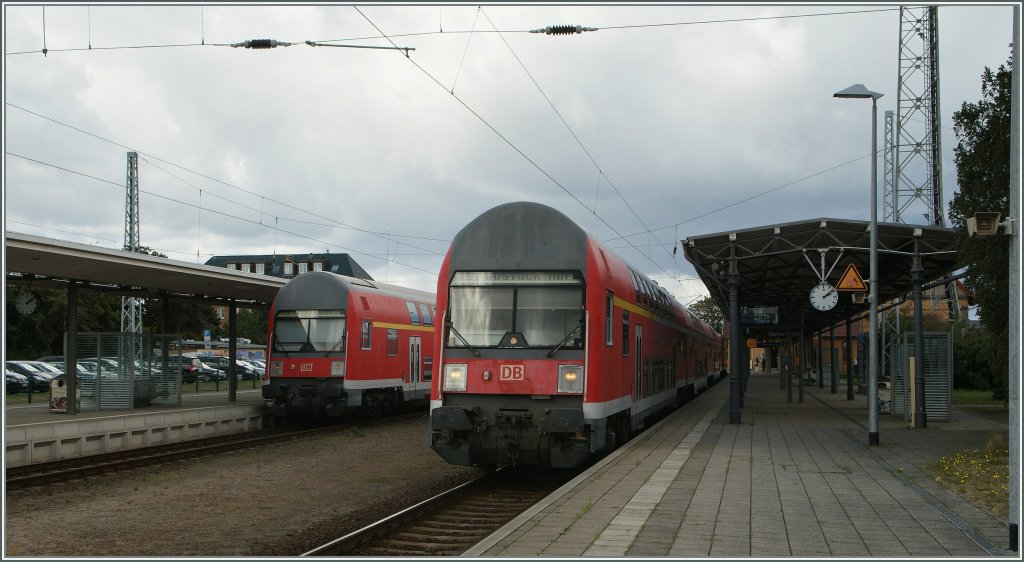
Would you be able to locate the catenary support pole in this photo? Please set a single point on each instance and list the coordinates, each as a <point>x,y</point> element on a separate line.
<point>1014,283</point>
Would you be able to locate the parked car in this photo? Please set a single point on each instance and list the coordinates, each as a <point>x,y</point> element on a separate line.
<point>39,379</point>
<point>247,371</point>
<point>82,372</point>
<point>15,382</point>
<point>190,367</point>
<point>46,368</point>
<point>211,373</point>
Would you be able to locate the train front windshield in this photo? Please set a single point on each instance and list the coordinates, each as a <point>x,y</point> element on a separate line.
<point>309,331</point>
<point>493,309</point>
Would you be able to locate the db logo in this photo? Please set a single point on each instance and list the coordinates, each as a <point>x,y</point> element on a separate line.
<point>512,372</point>
<point>306,367</point>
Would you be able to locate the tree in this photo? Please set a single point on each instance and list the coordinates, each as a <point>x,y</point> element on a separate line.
<point>982,157</point>
<point>708,311</point>
<point>252,324</point>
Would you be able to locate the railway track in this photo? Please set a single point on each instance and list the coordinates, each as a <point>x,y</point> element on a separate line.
<point>451,522</point>
<point>78,467</point>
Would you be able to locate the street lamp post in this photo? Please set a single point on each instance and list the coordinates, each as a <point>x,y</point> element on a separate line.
<point>859,91</point>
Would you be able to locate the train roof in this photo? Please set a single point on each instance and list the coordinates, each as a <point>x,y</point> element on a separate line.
<point>333,290</point>
<point>520,235</point>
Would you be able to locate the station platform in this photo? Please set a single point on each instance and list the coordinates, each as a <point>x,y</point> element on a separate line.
<point>793,479</point>
<point>32,433</point>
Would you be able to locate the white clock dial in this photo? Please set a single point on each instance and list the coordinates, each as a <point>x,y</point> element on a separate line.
<point>824,297</point>
<point>27,303</point>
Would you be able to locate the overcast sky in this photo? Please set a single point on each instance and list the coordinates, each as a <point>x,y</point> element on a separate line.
<point>668,121</point>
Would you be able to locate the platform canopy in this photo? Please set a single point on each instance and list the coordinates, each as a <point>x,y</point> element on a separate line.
<point>46,262</point>
<point>779,264</point>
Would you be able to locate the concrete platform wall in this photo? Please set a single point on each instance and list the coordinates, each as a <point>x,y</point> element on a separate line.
<point>42,442</point>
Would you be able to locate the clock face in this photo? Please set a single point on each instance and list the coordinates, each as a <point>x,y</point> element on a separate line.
<point>824,297</point>
<point>27,303</point>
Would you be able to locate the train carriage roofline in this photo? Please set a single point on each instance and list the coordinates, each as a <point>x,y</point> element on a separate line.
<point>522,236</point>
<point>331,291</point>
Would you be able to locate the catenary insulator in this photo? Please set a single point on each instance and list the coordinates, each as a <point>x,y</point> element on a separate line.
<point>261,44</point>
<point>563,29</point>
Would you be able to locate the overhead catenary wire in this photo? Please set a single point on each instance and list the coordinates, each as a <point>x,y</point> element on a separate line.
<point>200,174</point>
<point>565,30</point>
<point>648,230</point>
<point>326,42</point>
<point>514,147</point>
<point>222,213</point>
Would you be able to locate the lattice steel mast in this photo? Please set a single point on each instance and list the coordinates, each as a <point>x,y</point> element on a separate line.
<point>917,181</point>
<point>131,307</point>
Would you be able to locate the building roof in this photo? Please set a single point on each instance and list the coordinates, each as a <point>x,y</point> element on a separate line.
<point>342,264</point>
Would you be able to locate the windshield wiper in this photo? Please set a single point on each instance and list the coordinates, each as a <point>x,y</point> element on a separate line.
<point>565,339</point>
<point>334,347</point>
<point>463,340</point>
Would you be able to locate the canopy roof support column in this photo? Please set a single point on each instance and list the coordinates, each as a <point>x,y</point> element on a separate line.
<point>735,345</point>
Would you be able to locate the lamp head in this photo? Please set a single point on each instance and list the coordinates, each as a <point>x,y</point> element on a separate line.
<point>857,91</point>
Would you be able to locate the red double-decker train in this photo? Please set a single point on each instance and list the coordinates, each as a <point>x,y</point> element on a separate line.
<point>553,349</point>
<point>339,344</point>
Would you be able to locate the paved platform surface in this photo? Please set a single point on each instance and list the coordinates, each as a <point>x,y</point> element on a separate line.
<point>793,479</point>
<point>39,410</point>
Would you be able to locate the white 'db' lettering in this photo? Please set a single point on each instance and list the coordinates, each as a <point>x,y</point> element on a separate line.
<point>512,372</point>
<point>306,367</point>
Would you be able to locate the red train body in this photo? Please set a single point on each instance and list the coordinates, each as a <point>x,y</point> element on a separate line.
<point>553,349</point>
<point>338,343</point>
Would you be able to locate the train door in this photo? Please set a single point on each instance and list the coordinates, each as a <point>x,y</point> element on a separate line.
<point>414,361</point>
<point>638,365</point>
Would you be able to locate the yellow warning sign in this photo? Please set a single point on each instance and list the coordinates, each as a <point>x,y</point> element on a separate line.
<point>851,280</point>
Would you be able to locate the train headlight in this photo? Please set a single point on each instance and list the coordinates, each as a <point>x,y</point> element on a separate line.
<point>455,376</point>
<point>337,368</point>
<point>276,368</point>
<point>570,378</point>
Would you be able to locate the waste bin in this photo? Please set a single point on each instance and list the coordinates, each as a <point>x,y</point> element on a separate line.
<point>884,397</point>
<point>59,395</point>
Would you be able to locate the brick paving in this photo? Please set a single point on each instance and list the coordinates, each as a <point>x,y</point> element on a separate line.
<point>793,479</point>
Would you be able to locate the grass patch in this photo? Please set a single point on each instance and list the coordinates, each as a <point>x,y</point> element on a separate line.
<point>974,397</point>
<point>980,403</point>
<point>980,475</point>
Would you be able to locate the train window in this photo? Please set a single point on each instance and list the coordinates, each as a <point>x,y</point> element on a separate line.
<point>392,342</point>
<point>609,313</point>
<point>425,311</point>
<point>548,315</point>
<point>309,331</point>
<point>414,317</point>
<point>364,339</point>
<point>625,332</point>
<point>544,309</point>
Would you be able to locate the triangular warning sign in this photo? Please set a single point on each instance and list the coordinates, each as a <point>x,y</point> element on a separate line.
<point>851,281</point>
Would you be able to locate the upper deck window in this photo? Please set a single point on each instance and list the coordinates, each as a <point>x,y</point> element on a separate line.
<point>414,317</point>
